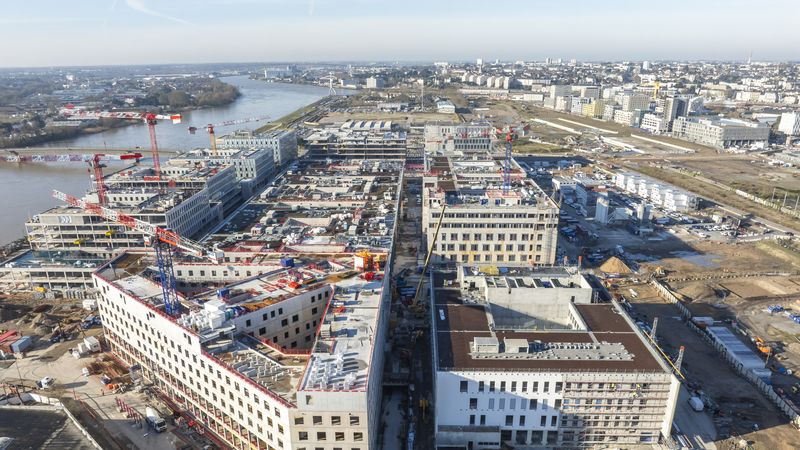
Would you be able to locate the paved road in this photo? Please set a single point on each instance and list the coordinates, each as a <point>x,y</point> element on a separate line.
<point>81,150</point>
<point>698,427</point>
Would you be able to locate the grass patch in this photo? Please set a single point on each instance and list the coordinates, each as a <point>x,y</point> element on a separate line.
<point>775,249</point>
<point>537,147</point>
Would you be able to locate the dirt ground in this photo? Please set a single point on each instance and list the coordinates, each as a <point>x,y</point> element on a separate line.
<point>740,405</point>
<point>339,117</point>
<point>751,174</point>
<point>700,256</point>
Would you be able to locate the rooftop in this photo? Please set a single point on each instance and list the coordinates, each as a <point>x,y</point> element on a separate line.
<point>558,333</point>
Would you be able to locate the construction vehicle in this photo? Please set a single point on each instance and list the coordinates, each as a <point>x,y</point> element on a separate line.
<point>762,346</point>
<point>162,240</point>
<point>70,112</point>
<point>210,129</point>
<point>155,420</point>
<point>95,161</point>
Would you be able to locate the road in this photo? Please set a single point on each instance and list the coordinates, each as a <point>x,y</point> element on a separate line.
<point>697,427</point>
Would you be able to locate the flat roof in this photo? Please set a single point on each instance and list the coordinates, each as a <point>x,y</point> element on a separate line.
<point>458,322</point>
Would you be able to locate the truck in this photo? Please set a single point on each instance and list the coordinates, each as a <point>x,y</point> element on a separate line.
<point>154,420</point>
<point>696,403</point>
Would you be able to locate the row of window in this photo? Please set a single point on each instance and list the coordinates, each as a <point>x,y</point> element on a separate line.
<point>494,215</point>
<point>558,386</point>
<point>529,404</point>
<point>489,236</point>
<point>322,436</point>
<point>488,247</point>
<point>492,257</point>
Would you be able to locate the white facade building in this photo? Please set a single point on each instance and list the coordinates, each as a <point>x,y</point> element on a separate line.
<point>523,358</point>
<point>282,142</point>
<point>790,124</point>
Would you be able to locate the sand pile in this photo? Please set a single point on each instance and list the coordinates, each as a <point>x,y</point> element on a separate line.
<point>615,265</point>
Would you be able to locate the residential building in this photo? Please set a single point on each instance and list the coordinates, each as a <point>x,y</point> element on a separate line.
<point>654,123</point>
<point>524,356</point>
<point>560,90</point>
<point>722,133</point>
<point>790,124</point>
<point>375,83</point>
<point>632,102</point>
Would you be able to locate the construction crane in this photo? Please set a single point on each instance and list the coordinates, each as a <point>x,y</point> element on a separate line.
<point>210,128</point>
<point>164,242</point>
<point>415,303</point>
<point>95,162</point>
<point>151,119</point>
<point>507,166</point>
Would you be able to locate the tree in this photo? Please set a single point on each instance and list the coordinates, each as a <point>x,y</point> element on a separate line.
<point>179,99</point>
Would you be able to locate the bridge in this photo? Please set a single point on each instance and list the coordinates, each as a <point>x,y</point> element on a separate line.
<point>83,150</point>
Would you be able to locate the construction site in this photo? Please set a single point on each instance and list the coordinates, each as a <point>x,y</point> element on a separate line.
<point>289,290</point>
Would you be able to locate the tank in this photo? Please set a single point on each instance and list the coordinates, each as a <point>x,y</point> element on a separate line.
<point>696,403</point>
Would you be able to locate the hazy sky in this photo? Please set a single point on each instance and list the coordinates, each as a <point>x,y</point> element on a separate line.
<point>86,32</point>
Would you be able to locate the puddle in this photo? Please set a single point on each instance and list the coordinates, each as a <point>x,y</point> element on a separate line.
<point>707,260</point>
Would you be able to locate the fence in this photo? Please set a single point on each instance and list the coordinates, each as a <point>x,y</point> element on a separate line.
<point>748,375</point>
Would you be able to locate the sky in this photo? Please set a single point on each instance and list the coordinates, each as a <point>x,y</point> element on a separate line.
<point>98,32</point>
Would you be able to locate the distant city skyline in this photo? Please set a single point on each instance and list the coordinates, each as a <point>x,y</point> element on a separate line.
<point>119,32</point>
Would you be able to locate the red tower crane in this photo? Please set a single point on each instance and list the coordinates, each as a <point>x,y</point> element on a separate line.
<point>72,113</point>
<point>163,240</point>
<point>95,163</point>
<point>210,128</point>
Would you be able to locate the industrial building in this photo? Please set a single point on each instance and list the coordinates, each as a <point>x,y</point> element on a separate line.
<point>364,139</point>
<point>483,222</point>
<point>279,345</point>
<point>722,133</point>
<point>282,142</point>
<point>523,357</point>
<point>458,138</point>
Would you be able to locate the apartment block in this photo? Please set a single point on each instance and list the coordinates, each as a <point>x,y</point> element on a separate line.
<point>462,138</point>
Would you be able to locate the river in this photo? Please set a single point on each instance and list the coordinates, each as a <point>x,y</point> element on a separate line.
<point>26,189</point>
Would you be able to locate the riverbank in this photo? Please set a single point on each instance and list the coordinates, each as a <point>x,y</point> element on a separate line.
<point>207,99</point>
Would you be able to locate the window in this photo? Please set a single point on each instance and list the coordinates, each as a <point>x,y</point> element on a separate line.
<point>481,386</point>
<point>339,436</point>
<point>353,420</point>
<point>483,419</point>
<point>472,419</point>
<point>303,436</point>
<point>297,420</point>
<point>491,386</point>
<point>546,386</point>
<point>560,385</point>
<point>513,386</point>
<point>543,421</point>
<point>535,386</point>
<point>321,436</point>
<point>317,420</point>
<point>336,420</point>
<point>522,421</point>
<point>464,385</point>
<point>509,421</point>
<point>553,421</point>
<point>558,403</point>
<point>473,403</point>
<point>532,404</point>
<point>524,386</point>
<point>358,436</point>
<point>491,404</point>
<point>502,386</point>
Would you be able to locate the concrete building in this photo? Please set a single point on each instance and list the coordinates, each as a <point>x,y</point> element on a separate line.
<point>282,142</point>
<point>722,133</point>
<point>790,124</point>
<point>254,167</point>
<point>357,139</point>
<point>629,118</point>
<point>654,124</point>
<point>560,90</point>
<point>482,223</point>
<point>445,107</point>
<point>272,352</point>
<point>458,138</point>
<point>524,358</point>
<point>375,83</point>
<point>632,102</point>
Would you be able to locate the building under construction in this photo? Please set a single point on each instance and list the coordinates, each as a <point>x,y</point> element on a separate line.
<point>277,342</point>
<point>524,357</point>
<point>486,220</point>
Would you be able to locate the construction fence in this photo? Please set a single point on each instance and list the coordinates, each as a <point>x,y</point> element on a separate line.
<point>667,294</point>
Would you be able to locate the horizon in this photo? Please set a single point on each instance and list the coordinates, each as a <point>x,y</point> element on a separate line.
<point>232,31</point>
